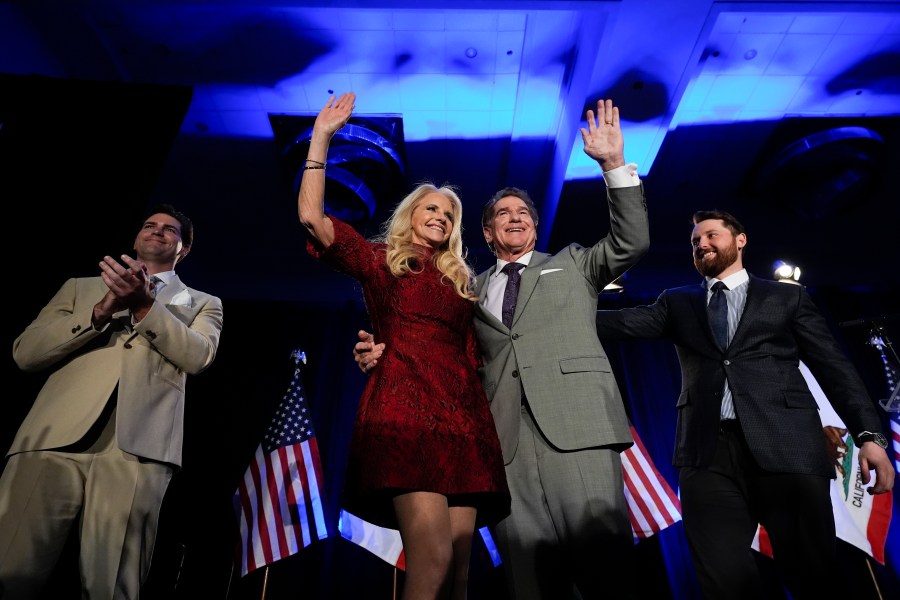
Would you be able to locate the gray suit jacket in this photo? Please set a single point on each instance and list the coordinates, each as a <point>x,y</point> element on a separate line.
<point>552,353</point>
<point>148,361</point>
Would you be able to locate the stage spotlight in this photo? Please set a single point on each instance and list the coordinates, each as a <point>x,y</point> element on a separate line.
<point>786,273</point>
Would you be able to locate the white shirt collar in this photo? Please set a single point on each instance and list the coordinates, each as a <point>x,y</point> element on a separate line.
<point>732,281</point>
<point>522,260</point>
<point>166,276</point>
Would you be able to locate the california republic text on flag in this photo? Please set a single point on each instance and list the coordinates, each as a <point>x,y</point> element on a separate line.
<point>278,502</point>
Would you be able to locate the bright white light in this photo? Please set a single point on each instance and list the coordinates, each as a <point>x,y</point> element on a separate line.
<point>786,273</point>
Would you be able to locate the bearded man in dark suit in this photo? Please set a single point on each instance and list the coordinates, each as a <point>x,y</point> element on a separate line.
<point>749,439</point>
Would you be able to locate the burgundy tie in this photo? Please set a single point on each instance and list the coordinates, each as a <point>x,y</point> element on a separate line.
<point>512,291</point>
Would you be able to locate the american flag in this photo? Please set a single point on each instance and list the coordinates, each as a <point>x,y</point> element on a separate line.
<point>278,502</point>
<point>890,375</point>
<point>652,505</point>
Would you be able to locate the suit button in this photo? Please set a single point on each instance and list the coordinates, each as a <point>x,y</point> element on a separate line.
<point>727,362</point>
<point>515,336</point>
<point>128,346</point>
<point>76,329</point>
<point>515,373</point>
<point>151,335</point>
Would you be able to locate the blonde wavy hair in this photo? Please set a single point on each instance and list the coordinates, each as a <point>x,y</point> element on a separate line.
<point>402,253</point>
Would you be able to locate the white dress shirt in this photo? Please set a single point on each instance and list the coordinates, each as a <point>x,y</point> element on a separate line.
<point>736,293</point>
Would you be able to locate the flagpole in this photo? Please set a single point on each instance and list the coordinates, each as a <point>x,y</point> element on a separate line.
<point>874,581</point>
<point>395,583</point>
<point>265,581</point>
<point>230,579</point>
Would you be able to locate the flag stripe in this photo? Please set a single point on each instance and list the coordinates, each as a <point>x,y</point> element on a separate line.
<point>652,504</point>
<point>663,506</point>
<point>764,544</point>
<point>313,475</point>
<point>879,523</point>
<point>491,546</point>
<point>292,516</point>
<point>895,435</point>
<point>382,542</point>
<point>278,513</point>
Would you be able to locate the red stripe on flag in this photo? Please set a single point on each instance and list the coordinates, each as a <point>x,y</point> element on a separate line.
<point>652,504</point>
<point>383,542</point>
<point>765,544</point>
<point>297,507</point>
<point>279,489</point>
<point>260,468</point>
<point>301,511</point>
<point>879,523</point>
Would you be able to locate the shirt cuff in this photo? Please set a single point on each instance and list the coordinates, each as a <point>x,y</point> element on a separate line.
<point>624,176</point>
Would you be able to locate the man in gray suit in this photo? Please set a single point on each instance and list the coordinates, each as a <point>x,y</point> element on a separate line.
<point>749,439</point>
<point>556,405</point>
<point>100,444</point>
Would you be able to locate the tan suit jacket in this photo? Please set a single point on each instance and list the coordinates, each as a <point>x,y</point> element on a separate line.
<point>149,361</point>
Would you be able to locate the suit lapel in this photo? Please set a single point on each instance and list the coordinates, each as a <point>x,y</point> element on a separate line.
<point>530,276</point>
<point>170,290</point>
<point>482,281</point>
<point>698,302</point>
<point>751,307</point>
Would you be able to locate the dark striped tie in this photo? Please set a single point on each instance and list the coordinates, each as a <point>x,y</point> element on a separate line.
<point>718,314</point>
<point>512,291</point>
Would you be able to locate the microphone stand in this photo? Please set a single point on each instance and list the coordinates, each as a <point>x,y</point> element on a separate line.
<point>879,338</point>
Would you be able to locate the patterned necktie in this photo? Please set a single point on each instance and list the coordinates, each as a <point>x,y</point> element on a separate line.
<point>718,314</point>
<point>158,284</point>
<point>512,291</point>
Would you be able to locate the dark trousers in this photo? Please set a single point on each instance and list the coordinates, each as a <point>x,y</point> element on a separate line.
<point>721,507</point>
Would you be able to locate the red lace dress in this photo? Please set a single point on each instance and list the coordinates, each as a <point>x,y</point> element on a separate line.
<point>423,423</point>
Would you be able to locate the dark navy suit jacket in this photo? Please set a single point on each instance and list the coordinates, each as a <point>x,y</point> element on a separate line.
<point>780,327</point>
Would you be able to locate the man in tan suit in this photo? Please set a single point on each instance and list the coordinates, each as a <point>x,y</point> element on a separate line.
<point>100,444</point>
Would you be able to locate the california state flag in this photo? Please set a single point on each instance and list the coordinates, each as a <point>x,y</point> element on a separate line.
<point>860,519</point>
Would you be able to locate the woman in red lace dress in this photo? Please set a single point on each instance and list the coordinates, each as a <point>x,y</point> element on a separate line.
<point>424,456</point>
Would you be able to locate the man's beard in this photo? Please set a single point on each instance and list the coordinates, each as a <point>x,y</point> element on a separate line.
<point>723,259</point>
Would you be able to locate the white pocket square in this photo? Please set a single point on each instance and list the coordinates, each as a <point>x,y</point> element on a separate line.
<point>182,298</point>
<point>545,271</point>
